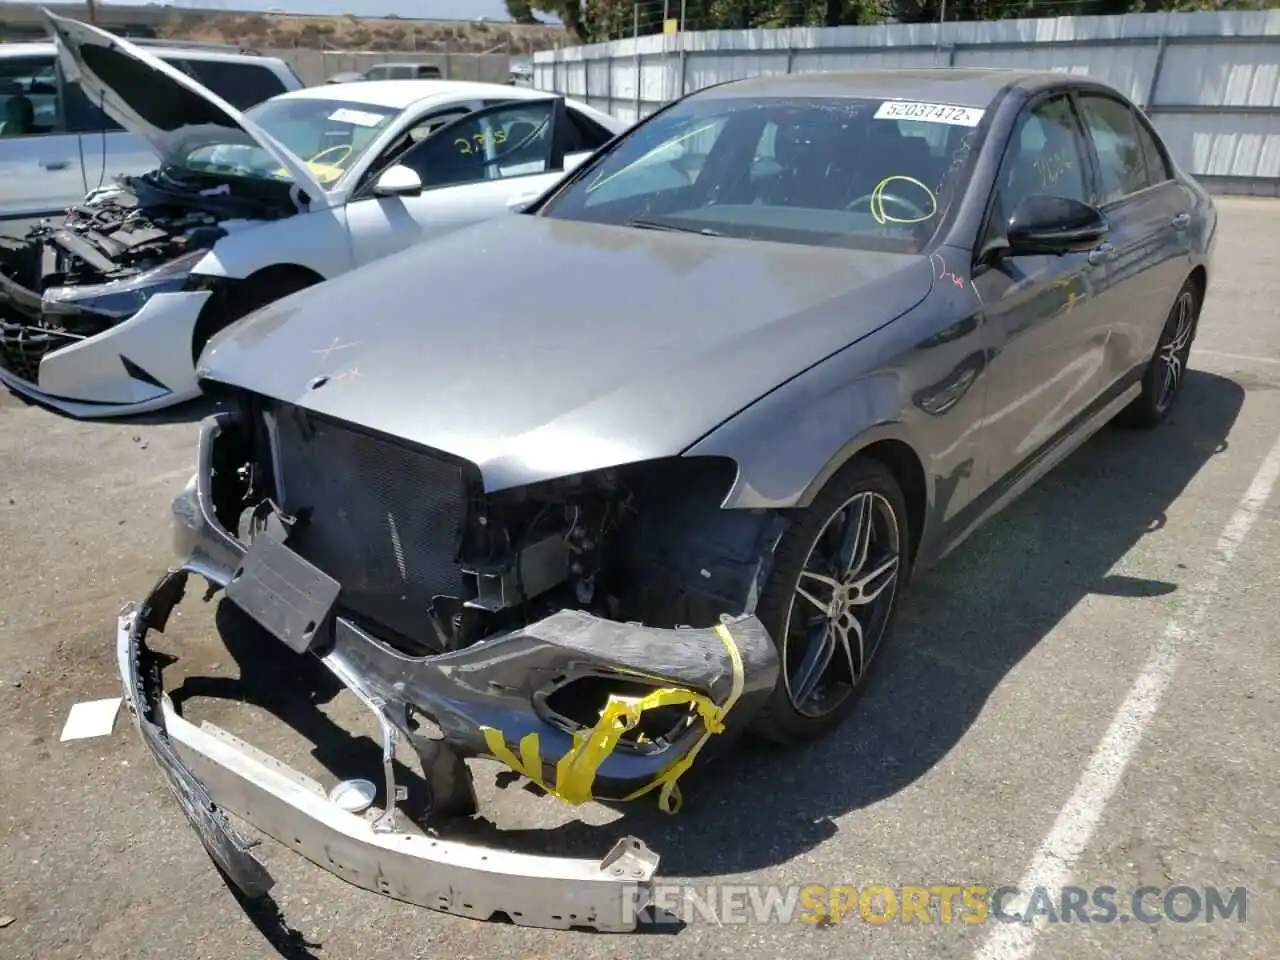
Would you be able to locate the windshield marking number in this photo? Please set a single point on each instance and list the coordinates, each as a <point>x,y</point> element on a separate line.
<point>929,113</point>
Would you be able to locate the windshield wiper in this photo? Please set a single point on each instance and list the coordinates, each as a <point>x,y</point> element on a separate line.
<point>673,228</point>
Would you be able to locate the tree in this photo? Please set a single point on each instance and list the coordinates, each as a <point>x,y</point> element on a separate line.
<point>570,12</point>
<point>521,11</point>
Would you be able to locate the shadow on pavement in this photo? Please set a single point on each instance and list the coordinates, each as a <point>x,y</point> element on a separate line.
<point>984,608</point>
<point>192,411</point>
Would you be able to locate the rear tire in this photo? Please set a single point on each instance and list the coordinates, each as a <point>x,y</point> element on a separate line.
<point>241,300</point>
<point>1165,373</point>
<point>830,600</point>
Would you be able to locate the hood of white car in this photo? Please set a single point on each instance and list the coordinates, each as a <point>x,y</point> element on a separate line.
<point>159,103</point>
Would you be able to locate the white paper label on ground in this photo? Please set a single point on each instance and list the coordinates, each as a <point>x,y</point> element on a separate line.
<point>929,113</point>
<point>361,118</point>
<point>94,718</point>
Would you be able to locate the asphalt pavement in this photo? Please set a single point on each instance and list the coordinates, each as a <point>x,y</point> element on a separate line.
<point>1083,696</point>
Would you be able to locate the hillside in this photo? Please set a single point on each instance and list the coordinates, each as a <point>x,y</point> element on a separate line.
<point>257,30</point>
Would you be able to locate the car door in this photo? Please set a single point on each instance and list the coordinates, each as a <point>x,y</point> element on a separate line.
<point>1149,215</point>
<point>40,170</point>
<point>1046,331</point>
<point>106,150</point>
<point>471,169</point>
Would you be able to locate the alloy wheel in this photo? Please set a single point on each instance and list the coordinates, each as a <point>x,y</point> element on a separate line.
<point>1173,352</point>
<point>840,607</point>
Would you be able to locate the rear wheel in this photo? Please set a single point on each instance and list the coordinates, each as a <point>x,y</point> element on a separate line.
<point>830,599</point>
<point>1163,379</point>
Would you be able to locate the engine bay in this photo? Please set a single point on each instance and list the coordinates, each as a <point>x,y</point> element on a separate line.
<point>645,542</point>
<point>118,234</point>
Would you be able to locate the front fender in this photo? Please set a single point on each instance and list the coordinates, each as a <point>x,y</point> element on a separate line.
<point>790,443</point>
<point>317,241</point>
<point>919,380</point>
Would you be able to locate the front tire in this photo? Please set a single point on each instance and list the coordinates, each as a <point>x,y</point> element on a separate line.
<point>1162,381</point>
<point>830,599</point>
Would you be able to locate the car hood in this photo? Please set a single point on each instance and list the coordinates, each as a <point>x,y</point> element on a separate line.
<point>537,348</point>
<point>159,103</point>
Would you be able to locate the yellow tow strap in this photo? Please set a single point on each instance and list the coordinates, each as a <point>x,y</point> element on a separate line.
<point>576,770</point>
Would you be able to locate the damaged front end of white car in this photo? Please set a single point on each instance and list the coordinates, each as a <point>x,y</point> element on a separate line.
<point>103,308</point>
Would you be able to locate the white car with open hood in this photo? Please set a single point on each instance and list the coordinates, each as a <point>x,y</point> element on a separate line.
<point>104,311</point>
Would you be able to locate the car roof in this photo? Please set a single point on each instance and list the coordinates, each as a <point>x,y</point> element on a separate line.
<point>399,94</point>
<point>967,87</point>
<point>26,49</point>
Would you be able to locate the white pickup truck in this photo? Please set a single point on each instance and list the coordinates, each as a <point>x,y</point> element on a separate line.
<point>56,145</point>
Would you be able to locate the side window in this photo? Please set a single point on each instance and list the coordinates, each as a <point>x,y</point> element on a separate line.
<point>509,141</point>
<point>1114,130</point>
<point>83,115</point>
<point>1043,156</point>
<point>1157,164</point>
<point>582,134</point>
<point>430,124</point>
<point>243,85</point>
<point>29,101</point>
<point>428,72</point>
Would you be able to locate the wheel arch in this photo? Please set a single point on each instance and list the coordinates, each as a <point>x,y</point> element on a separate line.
<point>280,272</point>
<point>1200,277</point>
<point>890,448</point>
<point>240,296</point>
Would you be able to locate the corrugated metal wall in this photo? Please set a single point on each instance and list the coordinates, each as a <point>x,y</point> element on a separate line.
<point>1209,81</point>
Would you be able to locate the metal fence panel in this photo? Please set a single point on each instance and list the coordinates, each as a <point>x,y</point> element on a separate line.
<point>1210,80</point>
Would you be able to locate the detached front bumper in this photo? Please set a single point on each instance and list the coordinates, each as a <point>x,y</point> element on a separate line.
<point>486,699</point>
<point>211,772</point>
<point>142,364</point>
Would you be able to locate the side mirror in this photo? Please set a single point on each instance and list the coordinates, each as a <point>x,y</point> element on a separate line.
<point>1043,224</point>
<point>398,181</point>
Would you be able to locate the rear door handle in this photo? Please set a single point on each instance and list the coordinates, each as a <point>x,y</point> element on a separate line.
<point>1181,221</point>
<point>55,164</point>
<point>1102,253</point>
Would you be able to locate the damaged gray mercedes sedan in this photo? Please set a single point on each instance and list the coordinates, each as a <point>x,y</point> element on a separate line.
<point>651,462</point>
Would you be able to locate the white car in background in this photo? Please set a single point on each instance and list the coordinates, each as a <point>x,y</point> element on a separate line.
<point>56,145</point>
<point>104,312</point>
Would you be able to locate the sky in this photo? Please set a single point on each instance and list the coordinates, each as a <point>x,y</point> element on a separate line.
<point>419,9</point>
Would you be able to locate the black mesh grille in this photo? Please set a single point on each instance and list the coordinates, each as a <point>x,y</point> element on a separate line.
<point>22,347</point>
<point>383,520</point>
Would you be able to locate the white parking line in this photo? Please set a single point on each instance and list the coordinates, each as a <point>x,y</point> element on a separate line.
<point>1055,860</point>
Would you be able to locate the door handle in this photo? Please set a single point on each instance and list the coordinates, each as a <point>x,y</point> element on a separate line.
<point>55,164</point>
<point>1102,253</point>
<point>1181,221</point>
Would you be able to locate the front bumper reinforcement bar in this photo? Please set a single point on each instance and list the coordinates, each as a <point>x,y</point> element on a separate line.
<point>210,772</point>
